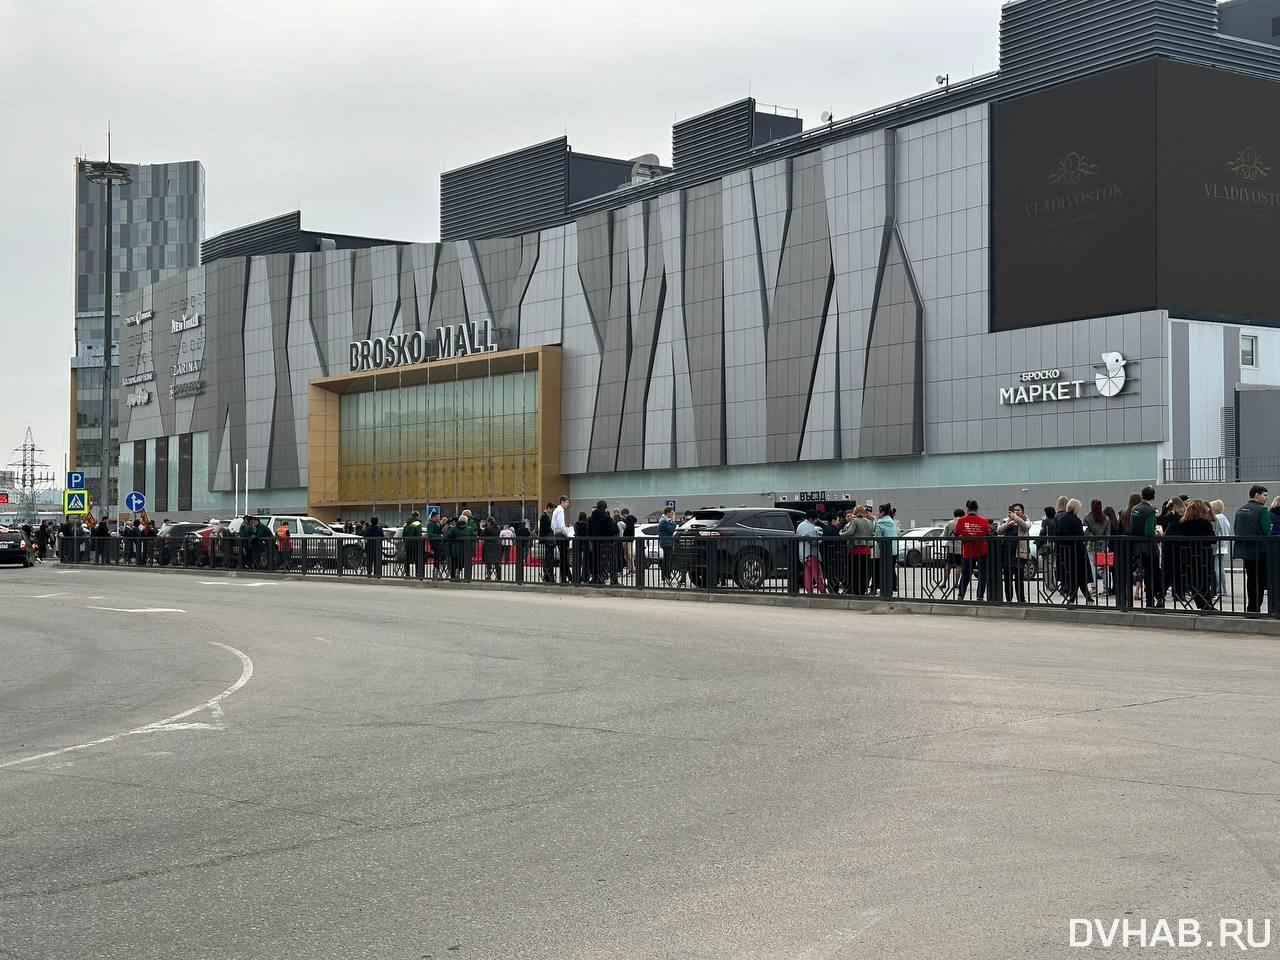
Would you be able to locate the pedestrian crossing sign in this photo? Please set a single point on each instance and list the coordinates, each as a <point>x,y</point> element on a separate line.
<point>75,502</point>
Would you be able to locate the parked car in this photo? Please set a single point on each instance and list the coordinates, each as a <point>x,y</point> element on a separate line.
<point>749,545</point>
<point>647,542</point>
<point>179,544</point>
<point>313,539</point>
<point>923,546</point>
<point>16,548</point>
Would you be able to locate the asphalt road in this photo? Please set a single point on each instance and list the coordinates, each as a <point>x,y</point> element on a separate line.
<point>341,770</point>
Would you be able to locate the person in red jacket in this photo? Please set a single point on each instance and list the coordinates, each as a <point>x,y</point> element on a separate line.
<point>973,531</point>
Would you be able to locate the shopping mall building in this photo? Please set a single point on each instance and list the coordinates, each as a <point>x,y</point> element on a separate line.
<point>1057,278</point>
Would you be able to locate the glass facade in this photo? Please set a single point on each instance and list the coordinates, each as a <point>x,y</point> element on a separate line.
<point>458,441</point>
<point>157,225</point>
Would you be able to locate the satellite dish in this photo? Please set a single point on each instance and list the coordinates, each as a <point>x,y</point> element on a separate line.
<point>826,116</point>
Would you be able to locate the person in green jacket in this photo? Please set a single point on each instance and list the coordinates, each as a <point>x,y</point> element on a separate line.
<point>413,553</point>
<point>247,527</point>
<point>263,543</point>
<point>453,546</point>
<point>469,534</point>
<point>439,552</point>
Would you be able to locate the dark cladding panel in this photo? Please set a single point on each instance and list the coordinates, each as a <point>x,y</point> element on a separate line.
<point>713,140</point>
<point>1074,224</point>
<point>276,235</point>
<point>1218,162</point>
<point>515,193</point>
<point>184,471</point>
<point>160,499</point>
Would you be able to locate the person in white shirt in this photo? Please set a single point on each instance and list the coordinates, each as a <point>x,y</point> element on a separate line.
<point>1224,547</point>
<point>561,534</point>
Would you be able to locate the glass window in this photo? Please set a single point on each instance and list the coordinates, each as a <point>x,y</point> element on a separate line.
<point>1248,350</point>
<point>315,528</point>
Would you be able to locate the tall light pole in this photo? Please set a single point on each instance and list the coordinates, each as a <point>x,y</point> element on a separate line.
<point>108,174</point>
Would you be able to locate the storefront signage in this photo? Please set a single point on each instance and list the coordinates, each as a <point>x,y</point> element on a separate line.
<point>1036,386</point>
<point>812,495</point>
<point>134,319</point>
<point>405,349</point>
<point>188,322</point>
<point>137,397</point>
<point>139,378</point>
<point>192,389</point>
<point>185,367</point>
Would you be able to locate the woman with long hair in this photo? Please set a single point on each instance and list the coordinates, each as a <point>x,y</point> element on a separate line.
<point>1135,563</point>
<point>1196,547</point>
<point>1073,564</point>
<point>1098,529</point>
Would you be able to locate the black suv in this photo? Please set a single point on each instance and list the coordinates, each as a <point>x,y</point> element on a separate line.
<point>746,544</point>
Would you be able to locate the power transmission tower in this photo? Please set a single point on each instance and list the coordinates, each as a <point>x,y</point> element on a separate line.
<point>30,476</point>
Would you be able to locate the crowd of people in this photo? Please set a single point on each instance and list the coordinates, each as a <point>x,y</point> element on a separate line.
<point>1182,550</point>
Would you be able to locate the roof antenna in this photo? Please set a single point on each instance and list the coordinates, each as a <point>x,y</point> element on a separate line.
<point>108,141</point>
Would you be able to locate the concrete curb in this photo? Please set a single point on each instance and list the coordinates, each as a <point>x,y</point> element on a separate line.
<point>1236,625</point>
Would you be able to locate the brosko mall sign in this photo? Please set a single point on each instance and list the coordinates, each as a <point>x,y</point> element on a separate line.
<point>1036,386</point>
<point>404,349</point>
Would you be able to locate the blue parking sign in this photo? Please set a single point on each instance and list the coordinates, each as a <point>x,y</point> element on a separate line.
<point>75,480</point>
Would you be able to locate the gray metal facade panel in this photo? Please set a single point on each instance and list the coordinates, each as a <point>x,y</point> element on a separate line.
<point>595,238</point>
<point>303,357</point>
<point>607,424</point>
<point>541,308</point>
<point>224,417</point>
<point>447,306</point>
<point>362,294</point>
<point>284,463</point>
<point>580,372</point>
<point>259,374</point>
<point>805,278</point>
<point>646,323</point>
<point>745,306</point>
<point>704,317</point>
<point>1180,411</point>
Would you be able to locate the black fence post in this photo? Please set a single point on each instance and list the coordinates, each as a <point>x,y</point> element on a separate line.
<point>793,566</point>
<point>1122,573</point>
<point>996,560</point>
<point>884,567</point>
<point>1273,577</point>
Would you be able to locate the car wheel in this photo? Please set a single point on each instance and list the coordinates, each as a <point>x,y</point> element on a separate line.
<point>1029,570</point>
<point>914,558</point>
<point>352,557</point>
<point>750,572</point>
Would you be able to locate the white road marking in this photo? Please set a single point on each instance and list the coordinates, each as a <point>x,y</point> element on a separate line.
<point>246,672</point>
<point>237,583</point>
<point>139,609</point>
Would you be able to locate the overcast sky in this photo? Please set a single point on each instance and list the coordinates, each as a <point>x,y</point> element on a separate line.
<point>349,111</point>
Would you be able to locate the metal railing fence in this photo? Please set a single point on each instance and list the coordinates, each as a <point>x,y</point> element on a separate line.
<point>1224,575</point>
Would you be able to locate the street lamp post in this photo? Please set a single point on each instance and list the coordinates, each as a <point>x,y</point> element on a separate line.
<point>108,174</point>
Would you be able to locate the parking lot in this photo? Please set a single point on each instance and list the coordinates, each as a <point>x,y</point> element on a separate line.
<point>240,767</point>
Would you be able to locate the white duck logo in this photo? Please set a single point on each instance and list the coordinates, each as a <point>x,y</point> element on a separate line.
<point>1112,381</point>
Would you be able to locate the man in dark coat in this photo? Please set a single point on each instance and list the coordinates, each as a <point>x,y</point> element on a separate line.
<point>439,550</point>
<point>603,533</point>
<point>373,548</point>
<point>413,555</point>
